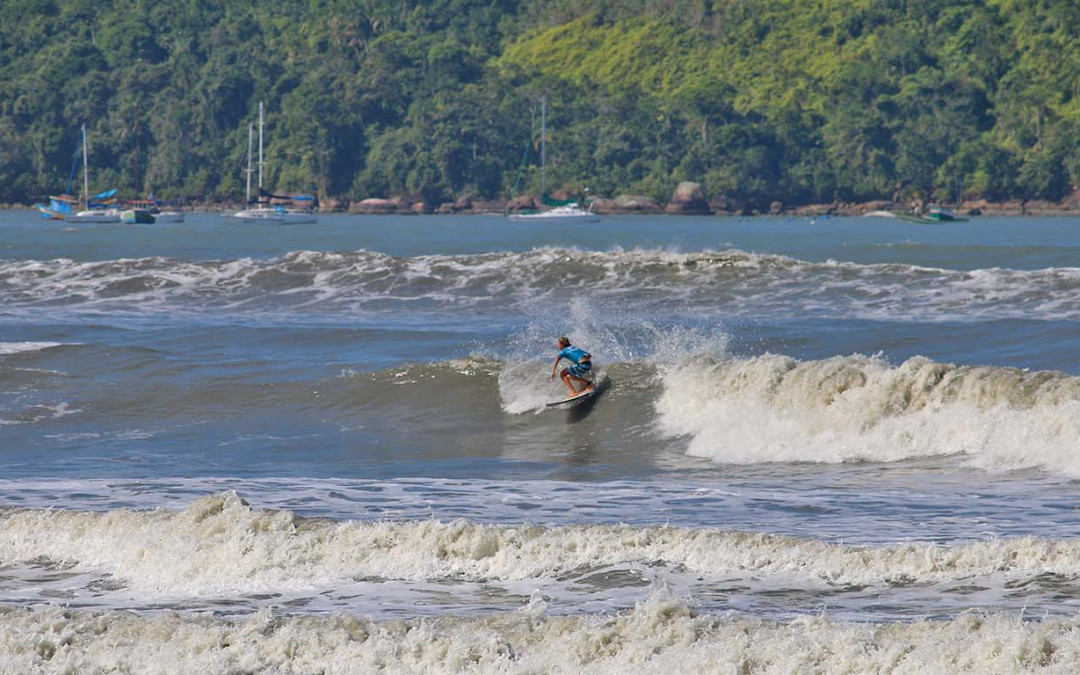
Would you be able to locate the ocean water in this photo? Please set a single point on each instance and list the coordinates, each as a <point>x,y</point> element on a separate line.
<point>842,444</point>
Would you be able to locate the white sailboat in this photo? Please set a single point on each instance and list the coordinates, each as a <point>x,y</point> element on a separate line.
<point>88,214</point>
<point>263,212</point>
<point>568,211</point>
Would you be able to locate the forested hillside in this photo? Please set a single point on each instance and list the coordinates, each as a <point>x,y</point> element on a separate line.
<point>792,100</point>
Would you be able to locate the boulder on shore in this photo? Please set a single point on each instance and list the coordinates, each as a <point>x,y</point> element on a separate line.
<point>878,205</point>
<point>332,204</point>
<point>688,198</point>
<point>722,205</point>
<point>374,205</point>
<point>816,210</point>
<point>523,203</point>
<point>636,204</point>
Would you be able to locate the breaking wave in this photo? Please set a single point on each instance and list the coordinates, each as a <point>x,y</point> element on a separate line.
<point>220,544</point>
<point>856,408</point>
<point>660,635</point>
<point>736,281</point>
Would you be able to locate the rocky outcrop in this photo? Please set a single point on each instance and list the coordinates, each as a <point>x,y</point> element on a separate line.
<point>816,210</point>
<point>523,203</point>
<point>636,204</point>
<point>869,207</point>
<point>688,198</point>
<point>332,204</point>
<point>625,204</point>
<point>374,205</point>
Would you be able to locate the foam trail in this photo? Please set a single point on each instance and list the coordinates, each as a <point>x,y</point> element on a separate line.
<point>661,635</point>
<point>856,408</point>
<point>219,544</point>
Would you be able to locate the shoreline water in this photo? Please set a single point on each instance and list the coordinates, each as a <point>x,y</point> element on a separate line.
<point>1069,207</point>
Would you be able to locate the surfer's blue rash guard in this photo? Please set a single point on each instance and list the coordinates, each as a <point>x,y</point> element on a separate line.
<point>576,354</point>
<point>573,353</point>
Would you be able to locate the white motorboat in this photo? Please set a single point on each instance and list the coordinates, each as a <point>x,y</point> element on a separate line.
<point>259,215</point>
<point>94,216</point>
<point>169,217</point>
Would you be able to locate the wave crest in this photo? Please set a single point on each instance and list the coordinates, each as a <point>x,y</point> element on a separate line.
<point>775,408</point>
<point>220,544</point>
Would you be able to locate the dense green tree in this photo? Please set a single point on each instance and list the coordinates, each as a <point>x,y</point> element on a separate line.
<point>790,100</point>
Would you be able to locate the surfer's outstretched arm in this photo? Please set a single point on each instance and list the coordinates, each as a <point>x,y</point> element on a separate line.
<point>555,366</point>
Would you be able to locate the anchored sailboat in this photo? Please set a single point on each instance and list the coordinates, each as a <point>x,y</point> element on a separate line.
<point>564,209</point>
<point>99,208</point>
<point>96,208</point>
<point>262,211</point>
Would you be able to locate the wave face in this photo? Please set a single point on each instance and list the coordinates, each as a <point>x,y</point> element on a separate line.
<point>740,283</point>
<point>661,635</point>
<point>219,544</point>
<point>855,408</point>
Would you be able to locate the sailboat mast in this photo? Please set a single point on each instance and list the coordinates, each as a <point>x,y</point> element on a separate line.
<point>85,172</point>
<point>260,147</point>
<point>543,146</point>
<point>251,134</point>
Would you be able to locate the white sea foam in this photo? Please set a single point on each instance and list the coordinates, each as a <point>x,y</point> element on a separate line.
<point>9,348</point>
<point>855,408</point>
<point>661,635</point>
<point>219,544</point>
<point>645,279</point>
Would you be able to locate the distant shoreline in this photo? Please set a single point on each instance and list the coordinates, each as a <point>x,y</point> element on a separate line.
<point>605,207</point>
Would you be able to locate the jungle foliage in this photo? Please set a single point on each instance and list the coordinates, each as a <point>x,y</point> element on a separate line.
<point>792,100</point>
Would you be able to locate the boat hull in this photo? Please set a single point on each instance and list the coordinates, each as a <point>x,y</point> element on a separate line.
<point>568,213</point>
<point>274,216</point>
<point>169,217</point>
<point>107,216</point>
<point>137,217</point>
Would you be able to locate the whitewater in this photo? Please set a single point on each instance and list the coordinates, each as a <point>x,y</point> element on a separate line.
<point>839,445</point>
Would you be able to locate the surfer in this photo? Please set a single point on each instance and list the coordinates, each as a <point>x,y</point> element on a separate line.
<point>582,361</point>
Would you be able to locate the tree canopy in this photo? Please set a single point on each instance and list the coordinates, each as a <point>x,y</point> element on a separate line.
<point>792,100</point>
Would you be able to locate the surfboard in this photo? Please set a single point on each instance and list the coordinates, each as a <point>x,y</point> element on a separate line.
<point>587,394</point>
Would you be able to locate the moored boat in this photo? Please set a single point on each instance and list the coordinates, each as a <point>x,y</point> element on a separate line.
<point>99,208</point>
<point>572,212</point>
<point>563,209</point>
<point>261,210</point>
<point>934,214</point>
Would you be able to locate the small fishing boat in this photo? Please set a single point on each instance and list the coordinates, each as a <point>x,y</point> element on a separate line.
<point>934,214</point>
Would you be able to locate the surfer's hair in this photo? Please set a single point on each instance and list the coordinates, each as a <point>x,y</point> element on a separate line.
<point>564,341</point>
